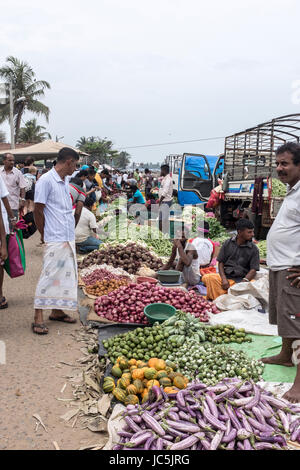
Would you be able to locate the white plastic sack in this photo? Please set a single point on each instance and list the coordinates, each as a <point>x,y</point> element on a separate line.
<point>115,424</point>
<point>251,320</point>
<point>259,289</point>
<point>236,302</point>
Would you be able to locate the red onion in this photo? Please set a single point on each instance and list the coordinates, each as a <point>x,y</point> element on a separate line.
<point>125,307</point>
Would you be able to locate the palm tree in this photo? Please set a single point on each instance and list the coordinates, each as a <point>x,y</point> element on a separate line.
<point>81,142</point>
<point>26,91</point>
<point>32,132</point>
<point>2,136</point>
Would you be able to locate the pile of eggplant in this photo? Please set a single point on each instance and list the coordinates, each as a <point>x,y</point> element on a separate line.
<point>232,415</point>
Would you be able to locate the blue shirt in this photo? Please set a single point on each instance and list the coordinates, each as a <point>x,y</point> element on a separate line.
<point>140,198</point>
<point>52,191</point>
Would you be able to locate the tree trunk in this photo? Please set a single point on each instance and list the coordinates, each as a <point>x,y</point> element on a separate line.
<point>18,123</point>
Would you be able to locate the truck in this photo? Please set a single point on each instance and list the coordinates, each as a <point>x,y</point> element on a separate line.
<point>248,155</point>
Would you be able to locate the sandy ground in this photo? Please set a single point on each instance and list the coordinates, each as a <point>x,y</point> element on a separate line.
<point>33,377</point>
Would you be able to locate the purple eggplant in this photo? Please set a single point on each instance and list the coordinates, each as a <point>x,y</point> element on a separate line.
<point>183,426</point>
<point>233,417</point>
<point>218,388</point>
<point>153,424</point>
<point>265,446</point>
<point>243,434</point>
<point>180,398</point>
<point>295,435</point>
<point>247,445</point>
<point>256,398</point>
<point>246,424</point>
<point>241,402</point>
<point>212,406</point>
<point>284,421</point>
<point>230,437</point>
<point>132,425</point>
<point>149,442</point>
<point>231,445</point>
<point>214,421</point>
<point>174,416</point>
<point>217,440</point>
<point>205,444</point>
<point>227,394</point>
<point>125,434</point>
<point>185,444</point>
<point>258,415</point>
<point>257,425</point>
<point>137,441</point>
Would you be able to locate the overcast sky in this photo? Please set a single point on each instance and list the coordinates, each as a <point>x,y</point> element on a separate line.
<point>143,72</point>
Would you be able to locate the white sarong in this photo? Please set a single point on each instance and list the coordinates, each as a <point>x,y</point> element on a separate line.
<point>57,286</point>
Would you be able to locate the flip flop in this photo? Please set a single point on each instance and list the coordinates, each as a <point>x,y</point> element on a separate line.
<point>64,318</point>
<point>42,326</point>
<point>3,305</point>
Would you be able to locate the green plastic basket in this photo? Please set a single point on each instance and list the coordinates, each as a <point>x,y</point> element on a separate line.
<point>159,312</point>
<point>168,277</point>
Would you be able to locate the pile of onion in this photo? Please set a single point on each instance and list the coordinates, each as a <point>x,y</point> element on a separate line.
<point>126,305</point>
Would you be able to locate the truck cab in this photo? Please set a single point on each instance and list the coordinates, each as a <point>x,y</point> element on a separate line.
<point>198,175</point>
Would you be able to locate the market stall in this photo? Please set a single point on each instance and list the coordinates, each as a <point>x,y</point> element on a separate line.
<point>187,380</point>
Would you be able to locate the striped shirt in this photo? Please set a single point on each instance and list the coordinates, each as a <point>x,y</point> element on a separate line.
<point>76,193</point>
<point>53,192</point>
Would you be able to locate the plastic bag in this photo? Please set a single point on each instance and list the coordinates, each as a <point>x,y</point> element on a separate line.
<point>15,263</point>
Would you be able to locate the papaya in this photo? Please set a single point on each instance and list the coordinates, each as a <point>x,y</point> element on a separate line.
<point>123,363</point>
<point>151,383</point>
<point>131,389</point>
<point>116,371</point>
<point>161,374</point>
<point>150,373</point>
<point>145,397</point>
<point>160,364</point>
<point>137,374</point>
<point>124,382</point>
<point>131,400</point>
<point>127,375</point>
<point>152,362</point>
<point>132,362</point>
<point>108,387</point>
<point>142,364</point>
<point>138,385</point>
<point>119,394</point>
<point>179,382</point>
<point>170,390</point>
<point>171,364</point>
<point>165,382</point>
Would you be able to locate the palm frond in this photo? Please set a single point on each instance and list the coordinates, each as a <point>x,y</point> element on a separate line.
<point>39,108</point>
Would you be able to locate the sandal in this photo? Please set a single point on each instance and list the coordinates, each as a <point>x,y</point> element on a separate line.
<point>41,326</point>
<point>64,318</point>
<point>5,304</point>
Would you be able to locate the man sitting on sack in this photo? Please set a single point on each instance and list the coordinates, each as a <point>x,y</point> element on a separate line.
<point>238,261</point>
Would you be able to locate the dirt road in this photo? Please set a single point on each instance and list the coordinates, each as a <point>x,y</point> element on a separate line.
<point>33,377</point>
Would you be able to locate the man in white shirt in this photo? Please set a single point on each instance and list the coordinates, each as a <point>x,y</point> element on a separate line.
<point>283,255</point>
<point>15,183</point>
<point>165,198</point>
<point>85,232</point>
<point>57,286</point>
<point>192,254</point>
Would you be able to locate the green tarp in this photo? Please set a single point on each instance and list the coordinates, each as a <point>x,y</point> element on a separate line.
<point>263,346</point>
